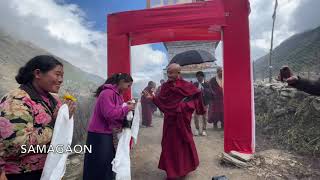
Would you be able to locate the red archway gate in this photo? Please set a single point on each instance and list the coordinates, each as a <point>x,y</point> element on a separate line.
<point>225,20</point>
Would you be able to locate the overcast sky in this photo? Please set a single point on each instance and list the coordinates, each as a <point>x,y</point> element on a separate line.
<point>67,28</point>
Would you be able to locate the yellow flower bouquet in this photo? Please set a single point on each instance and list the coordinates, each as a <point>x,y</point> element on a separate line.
<point>68,96</point>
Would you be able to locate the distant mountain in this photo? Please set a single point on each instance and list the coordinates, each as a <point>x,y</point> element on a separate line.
<point>301,52</point>
<point>15,53</point>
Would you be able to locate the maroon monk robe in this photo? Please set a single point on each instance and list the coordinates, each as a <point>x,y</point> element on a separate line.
<point>179,155</point>
<point>148,108</point>
<point>215,113</point>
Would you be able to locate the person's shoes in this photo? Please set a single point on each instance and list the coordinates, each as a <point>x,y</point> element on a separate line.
<point>204,133</point>
<point>196,132</point>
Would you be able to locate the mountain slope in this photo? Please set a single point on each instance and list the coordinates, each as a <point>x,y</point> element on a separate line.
<point>15,53</point>
<point>301,52</point>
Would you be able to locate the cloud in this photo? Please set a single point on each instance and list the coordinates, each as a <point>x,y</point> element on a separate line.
<point>146,59</point>
<point>63,30</point>
<point>147,65</point>
<point>261,24</point>
<point>306,16</point>
<point>58,28</point>
<point>293,16</point>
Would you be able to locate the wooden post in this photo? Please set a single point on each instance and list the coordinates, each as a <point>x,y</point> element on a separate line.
<point>170,2</point>
<point>148,4</point>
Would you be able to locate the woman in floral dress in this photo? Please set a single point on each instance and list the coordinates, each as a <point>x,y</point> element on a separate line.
<point>27,116</point>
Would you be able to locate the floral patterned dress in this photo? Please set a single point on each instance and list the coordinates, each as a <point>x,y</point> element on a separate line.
<point>25,119</point>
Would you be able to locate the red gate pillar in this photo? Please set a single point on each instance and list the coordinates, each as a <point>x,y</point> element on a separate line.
<point>119,57</point>
<point>238,98</point>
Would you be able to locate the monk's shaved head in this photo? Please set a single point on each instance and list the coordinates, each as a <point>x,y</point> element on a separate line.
<point>174,67</point>
<point>173,71</point>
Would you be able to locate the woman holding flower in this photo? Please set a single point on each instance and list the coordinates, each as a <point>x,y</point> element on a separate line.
<point>27,117</point>
<point>107,119</point>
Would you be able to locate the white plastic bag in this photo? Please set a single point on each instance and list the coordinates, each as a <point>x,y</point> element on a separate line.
<point>55,164</point>
<point>135,124</point>
<point>121,163</point>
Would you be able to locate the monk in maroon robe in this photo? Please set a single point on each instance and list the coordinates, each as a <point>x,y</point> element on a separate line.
<point>215,112</point>
<point>147,105</point>
<point>158,92</point>
<point>178,99</point>
<point>159,88</point>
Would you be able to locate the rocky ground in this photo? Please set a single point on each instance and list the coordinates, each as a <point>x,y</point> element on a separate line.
<point>289,118</point>
<point>147,153</point>
<point>269,163</point>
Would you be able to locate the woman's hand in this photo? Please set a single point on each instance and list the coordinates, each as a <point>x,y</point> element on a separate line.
<point>292,80</point>
<point>131,105</point>
<point>3,176</point>
<point>72,107</point>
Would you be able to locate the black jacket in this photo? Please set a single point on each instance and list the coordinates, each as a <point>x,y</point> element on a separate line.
<point>205,94</point>
<point>311,87</point>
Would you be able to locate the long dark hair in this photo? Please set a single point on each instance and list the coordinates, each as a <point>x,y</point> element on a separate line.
<point>44,63</point>
<point>114,79</point>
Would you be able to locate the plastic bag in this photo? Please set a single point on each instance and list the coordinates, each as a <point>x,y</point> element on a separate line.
<point>55,164</point>
<point>135,124</point>
<point>121,162</point>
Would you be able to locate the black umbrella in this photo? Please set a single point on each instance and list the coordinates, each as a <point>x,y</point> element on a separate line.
<point>192,57</point>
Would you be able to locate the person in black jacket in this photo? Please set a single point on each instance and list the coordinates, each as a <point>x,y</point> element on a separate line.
<point>308,86</point>
<point>204,87</point>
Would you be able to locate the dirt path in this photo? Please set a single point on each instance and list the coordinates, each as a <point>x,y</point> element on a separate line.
<point>145,156</point>
<point>270,162</point>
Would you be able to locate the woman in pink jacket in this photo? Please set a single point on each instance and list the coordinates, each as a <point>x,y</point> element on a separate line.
<point>108,115</point>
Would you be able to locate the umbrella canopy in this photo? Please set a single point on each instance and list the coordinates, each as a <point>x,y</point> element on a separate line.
<point>193,57</point>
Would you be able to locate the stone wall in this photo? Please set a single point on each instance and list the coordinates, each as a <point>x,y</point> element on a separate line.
<point>290,118</point>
